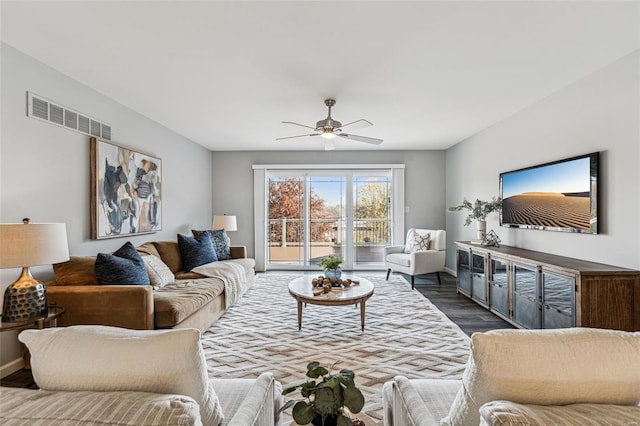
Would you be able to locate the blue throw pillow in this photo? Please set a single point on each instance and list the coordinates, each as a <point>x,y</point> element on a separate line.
<point>196,251</point>
<point>219,241</point>
<point>123,267</point>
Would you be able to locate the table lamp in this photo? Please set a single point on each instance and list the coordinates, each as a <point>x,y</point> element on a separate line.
<point>22,246</point>
<point>226,222</point>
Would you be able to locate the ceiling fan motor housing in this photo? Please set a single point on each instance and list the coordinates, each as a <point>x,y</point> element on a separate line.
<point>328,123</point>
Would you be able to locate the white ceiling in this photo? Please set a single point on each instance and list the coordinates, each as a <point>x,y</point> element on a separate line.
<point>225,74</point>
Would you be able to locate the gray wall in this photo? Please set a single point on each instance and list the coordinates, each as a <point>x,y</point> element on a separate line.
<point>44,171</point>
<point>233,183</point>
<point>598,113</point>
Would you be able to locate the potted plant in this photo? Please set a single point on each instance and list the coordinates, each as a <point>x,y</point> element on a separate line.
<point>324,401</point>
<point>331,266</point>
<point>479,212</point>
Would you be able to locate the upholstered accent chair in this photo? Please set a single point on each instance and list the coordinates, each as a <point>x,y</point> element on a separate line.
<point>423,253</point>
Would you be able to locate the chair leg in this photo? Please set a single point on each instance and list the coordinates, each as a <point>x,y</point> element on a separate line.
<point>412,278</point>
<point>388,272</point>
<point>438,275</point>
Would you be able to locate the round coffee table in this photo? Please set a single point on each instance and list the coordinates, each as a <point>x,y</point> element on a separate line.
<point>302,290</point>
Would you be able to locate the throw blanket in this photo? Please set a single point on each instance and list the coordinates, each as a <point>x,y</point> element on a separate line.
<point>232,275</point>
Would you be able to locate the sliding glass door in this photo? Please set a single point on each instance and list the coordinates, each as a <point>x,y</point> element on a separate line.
<point>313,214</point>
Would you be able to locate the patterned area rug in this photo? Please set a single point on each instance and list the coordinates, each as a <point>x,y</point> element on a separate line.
<point>404,334</point>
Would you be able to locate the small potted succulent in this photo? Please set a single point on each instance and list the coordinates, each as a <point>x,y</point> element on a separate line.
<point>331,266</point>
<point>325,396</point>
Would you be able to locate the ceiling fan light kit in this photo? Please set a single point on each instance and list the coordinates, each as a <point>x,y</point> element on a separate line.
<point>330,128</point>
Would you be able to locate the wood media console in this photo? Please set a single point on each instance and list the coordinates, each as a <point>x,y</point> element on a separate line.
<point>531,289</point>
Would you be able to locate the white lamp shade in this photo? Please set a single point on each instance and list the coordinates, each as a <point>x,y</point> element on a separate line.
<point>23,245</point>
<point>226,222</point>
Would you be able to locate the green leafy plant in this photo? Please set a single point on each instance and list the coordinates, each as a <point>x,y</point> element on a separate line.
<point>479,210</point>
<point>331,262</point>
<point>325,396</point>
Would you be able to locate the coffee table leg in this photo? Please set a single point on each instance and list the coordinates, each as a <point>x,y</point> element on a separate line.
<point>299,315</point>
<point>362,314</point>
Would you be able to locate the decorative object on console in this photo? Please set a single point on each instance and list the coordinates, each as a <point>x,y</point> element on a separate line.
<point>126,191</point>
<point>22,246</point>
<point>491,239</point>
<point>331,266</point>
<point>479,212</point>
<point>331,396</point>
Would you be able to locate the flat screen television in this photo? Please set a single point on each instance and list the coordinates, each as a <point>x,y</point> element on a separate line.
<point>558,196</point>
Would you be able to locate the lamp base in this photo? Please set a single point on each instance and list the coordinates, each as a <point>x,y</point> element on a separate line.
<point>25,299</point>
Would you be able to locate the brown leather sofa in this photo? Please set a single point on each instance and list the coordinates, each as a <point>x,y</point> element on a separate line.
<point>192,301</point>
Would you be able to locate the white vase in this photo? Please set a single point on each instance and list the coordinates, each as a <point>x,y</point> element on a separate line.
<point>481,226</point>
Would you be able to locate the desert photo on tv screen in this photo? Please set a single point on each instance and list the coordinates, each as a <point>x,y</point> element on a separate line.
<point>551,196</point>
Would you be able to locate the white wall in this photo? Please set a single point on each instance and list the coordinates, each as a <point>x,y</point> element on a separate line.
<point>233,183</point>
<point>44,173</point>
<point>598,113</point>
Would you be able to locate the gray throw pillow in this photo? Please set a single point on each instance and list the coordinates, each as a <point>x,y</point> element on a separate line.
<point>123,267</point>
<point>219,241</point>
<point>196,251</point>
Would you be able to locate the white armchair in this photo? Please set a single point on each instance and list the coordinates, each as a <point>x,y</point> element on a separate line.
<point>421,261</point>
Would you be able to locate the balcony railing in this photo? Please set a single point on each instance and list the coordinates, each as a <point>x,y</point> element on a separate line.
<point>328,231</point>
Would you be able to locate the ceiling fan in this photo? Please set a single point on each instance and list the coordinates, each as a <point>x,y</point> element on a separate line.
<point>330,128</point>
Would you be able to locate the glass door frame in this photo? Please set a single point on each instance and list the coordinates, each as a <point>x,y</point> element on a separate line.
<point>261,200</point>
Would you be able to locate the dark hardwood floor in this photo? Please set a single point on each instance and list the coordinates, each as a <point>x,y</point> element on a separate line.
<point>466,314</point>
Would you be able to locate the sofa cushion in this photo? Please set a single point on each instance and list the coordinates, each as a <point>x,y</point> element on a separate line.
<point>500,413</point>
<point>402,259</point>
<point>170,254</point>
<point>548,367</point>
<point>100,358</point>
<point>124,266</point>
<point>78,270</point>
<point>196,251</point>
<point>247,263</point>
<point>159,273</point>
<point>58,408</point>
<point>177,301</point>
<point>416,241</point>
<point>219,241</point>
<point>148,249</point>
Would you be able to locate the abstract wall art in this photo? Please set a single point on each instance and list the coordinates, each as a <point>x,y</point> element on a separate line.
<point>126,191</point>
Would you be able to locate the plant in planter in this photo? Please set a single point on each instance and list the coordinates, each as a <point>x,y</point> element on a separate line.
<point>324,401</point>
<point>479,212</point>
<point>331,266</point>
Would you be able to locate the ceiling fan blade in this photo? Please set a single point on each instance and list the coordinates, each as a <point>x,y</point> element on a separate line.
<point>364,139</point>
<point>358,124</point>
<point>299,136</point>
<point>298,124</point>
<point>329,145</point>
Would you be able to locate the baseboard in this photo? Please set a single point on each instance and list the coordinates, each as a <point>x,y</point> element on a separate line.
<point>11,367</point>
<point>451,271</point>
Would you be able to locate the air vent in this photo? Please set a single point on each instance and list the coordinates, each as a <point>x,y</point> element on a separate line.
<point>44,109</point>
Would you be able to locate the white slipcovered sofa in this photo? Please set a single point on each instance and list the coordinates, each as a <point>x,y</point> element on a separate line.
<point>574,376</point>
<point>90,375</point>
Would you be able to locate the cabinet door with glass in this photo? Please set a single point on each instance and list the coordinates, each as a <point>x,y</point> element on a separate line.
<point>526,297</point>
<point>499,286</point>
<point>558,300</point>
<point>479,277</point>
<point>464,271</point>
